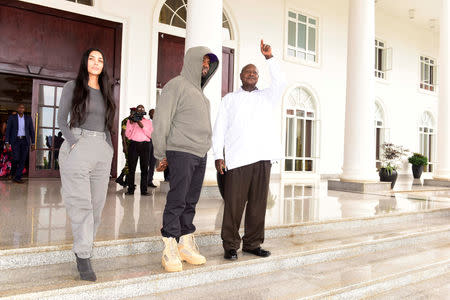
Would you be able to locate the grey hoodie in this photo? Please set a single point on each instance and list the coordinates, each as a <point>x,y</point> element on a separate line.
<point>182,120</point>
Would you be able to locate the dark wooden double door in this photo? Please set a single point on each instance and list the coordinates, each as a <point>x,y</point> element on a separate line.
<point>46,45</point>
<point>171,56</point>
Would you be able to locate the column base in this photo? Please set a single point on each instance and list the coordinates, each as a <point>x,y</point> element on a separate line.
<point>358,186</point>
<point>441,182</point>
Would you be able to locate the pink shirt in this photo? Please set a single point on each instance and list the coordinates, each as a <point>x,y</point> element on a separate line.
<point>135,133</point>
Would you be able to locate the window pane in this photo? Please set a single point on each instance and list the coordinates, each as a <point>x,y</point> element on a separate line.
<point>301,36</point>
<point>165,15</point>
<point>288,165</point>
<point>311,39</point>
<point>45,116</point>
<point>301,55</point>
<point>312,21</point>
<point>422,67</point>
<point>430,150</point>
<point>299,142</point>
<point>174,4</point>
<point>300,113</point>
<point>301,18</point>
<point>44,138</point>
<point>310,115</point>
<point>43,159</point>
<point>86,2</point>
<point>426,75</point>
<point>431,75</point>
<point>380,59</point>
<point>177,22</point>
<point>308,139</point>
<point>311,57</point>
<point>291,34</point>
<point>291,137</point>
<point>298,165</point>
<point>290,112</point>
<point>308,165</point>
<point>291,52</point>
<point>46,95</point>
<point>292,15</point>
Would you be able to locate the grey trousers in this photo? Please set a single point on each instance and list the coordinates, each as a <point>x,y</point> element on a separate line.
<point>85,173</point>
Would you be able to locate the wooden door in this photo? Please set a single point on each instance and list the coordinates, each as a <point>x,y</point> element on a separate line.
<point>171,57</point>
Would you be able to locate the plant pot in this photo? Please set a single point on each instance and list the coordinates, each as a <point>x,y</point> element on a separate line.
<point>417,171</point>
<point>386,177</point>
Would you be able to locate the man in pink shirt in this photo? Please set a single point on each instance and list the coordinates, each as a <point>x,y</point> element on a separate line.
<point>139,132</point>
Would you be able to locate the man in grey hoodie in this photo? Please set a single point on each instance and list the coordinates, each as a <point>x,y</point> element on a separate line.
<point>181,139</point>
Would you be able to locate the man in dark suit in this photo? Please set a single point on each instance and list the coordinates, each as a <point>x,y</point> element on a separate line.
<point>20,135</point>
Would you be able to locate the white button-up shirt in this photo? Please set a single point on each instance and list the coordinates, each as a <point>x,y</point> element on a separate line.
<point>21,130</point>
<point>245,123</point>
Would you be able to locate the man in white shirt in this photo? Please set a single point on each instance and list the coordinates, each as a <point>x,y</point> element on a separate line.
<point>246,133</point>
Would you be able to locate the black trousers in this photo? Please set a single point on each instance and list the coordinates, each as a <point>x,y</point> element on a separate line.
<point>187,172</point>
<point>138,150</point>
<point>245,185</point>
<point>20,151</point>
<point>151,164</point>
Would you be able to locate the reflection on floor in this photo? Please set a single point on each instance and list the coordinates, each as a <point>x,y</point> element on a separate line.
<point>33,214</point>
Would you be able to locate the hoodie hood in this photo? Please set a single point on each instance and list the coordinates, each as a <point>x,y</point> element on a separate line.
<point>192,66</point>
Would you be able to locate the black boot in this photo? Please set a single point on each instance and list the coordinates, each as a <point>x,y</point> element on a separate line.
<point>85,269</point>
<point>120,180</point>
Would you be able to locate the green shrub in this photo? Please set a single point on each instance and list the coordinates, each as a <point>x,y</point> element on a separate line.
<point>418,160</point>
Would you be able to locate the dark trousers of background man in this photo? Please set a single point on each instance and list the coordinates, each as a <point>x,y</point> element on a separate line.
<point>151,164</point>
<point>248,184</point>
<point>20,151</point>
<point>187,172</point>
<point>138,150</point>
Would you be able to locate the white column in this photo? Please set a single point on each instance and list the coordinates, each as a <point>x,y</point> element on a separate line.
<point>204,28</point>
<point>443,130</point>
<point>359,140</point>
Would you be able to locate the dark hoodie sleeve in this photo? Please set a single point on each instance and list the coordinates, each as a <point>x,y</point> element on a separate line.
<point>162,119</point>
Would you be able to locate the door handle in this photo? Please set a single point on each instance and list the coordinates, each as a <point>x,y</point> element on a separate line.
<point>36,128</point>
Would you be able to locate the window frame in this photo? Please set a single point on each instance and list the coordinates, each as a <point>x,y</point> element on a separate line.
<point>423,85</point>
<point>428,132</point>
<point>318,43</point>
<point>379,73</point>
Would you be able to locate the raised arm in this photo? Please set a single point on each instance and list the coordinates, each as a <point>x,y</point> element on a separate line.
<point>278,78</point>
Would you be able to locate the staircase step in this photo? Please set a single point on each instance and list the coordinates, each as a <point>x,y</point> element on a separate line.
<point>436,288</point>
<point>388,271</point>
<point>138,275</point>
<point>46,255</point>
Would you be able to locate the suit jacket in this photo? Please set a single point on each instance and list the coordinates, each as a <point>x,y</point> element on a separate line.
<point>12,128</point>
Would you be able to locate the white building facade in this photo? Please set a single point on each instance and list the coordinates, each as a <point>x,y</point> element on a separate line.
<point>342,101</point>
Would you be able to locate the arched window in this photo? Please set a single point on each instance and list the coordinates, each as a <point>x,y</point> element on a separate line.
<point>174,13</point>
<point>300,131</point>
<point>379,132</point>
<point>427,138</point>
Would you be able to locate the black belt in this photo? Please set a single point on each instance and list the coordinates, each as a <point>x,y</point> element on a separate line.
<point>21,137</point>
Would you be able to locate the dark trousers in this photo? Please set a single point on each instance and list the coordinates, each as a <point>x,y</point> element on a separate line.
<point>187,172</point>
<point>248,184</point>
<point>151,164</point>
<point>138,150</point>
<point>20,151</point>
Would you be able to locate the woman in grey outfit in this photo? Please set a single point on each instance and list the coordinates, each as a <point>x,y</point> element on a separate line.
<point>86,154</point>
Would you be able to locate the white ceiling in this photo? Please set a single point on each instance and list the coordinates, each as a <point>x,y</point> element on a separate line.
<point>425,10</point>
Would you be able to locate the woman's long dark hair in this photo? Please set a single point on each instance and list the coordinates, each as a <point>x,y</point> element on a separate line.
<point>81,93</point>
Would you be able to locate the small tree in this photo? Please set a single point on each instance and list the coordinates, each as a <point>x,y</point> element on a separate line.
<point>392,156</point>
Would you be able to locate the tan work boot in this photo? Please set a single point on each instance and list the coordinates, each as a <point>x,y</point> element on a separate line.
<point>188,250</point>
<point>170,258</point>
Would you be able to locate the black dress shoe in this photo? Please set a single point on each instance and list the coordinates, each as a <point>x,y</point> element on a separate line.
<point>18,180</point>
<point>129,192</point>
<point>85,269</point>
<point>121,182</point>
<point>258,252</point>
<point>151,185</point>
<point>230,254</point>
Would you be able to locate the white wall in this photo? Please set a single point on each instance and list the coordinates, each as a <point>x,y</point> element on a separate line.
<point>255,19</point>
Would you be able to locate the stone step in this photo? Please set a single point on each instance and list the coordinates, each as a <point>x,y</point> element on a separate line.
<point>381,275</point>
<point>139,275</point>
<point>46,255</point>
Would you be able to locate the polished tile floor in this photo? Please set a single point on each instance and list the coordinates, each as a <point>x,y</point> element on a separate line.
<point>33,214</point>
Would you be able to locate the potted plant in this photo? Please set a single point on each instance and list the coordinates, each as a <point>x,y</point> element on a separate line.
<point>391,159</point>
<point>418,161</point>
